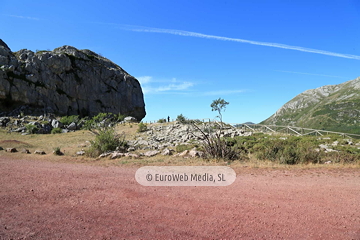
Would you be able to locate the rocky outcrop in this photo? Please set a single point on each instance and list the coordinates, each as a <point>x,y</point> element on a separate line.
<point>67,81</point>
<point>158,137</point>
<point>332,107</point>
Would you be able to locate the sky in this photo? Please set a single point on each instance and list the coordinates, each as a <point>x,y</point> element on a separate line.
<point>257,55</point>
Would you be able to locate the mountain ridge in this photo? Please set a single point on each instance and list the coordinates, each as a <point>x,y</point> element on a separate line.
<point>330,107</point>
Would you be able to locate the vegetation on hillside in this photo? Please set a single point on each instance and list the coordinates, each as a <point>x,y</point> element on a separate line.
<point>332,108</point>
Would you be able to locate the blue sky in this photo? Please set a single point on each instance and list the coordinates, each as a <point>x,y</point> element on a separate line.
<point>257,55</point>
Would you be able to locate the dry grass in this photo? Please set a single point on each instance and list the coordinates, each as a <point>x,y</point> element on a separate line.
<point>46,142</point>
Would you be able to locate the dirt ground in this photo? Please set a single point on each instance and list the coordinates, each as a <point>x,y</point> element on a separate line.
<point>42,199</point>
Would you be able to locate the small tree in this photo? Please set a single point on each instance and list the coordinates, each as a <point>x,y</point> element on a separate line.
<point>219,105</point>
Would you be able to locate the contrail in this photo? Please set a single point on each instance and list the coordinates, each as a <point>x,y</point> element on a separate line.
<point>309,74</point>
<point>24,17</point>
<point>268,44</point>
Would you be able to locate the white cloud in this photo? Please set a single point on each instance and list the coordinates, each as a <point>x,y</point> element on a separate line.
<point>152,86</point>
<point>268,44</point>
<point>144,79</point>
<point>175,87</point>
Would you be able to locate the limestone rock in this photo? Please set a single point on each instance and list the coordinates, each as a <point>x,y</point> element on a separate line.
<point>167,152</point>
<point>151,153</point>
<point>11,150</point>
<point>117,155</point>
<point>56,124</point>
<point>67,81</point>
<point>24,150</point>
<point>130,120</point>
<point>40,152</point>
<point>72,126</point>
<point>80,153</point>
<point>194,153</point>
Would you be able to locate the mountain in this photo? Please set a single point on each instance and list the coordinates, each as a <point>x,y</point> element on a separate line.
<point>67,81</point>
<point>331,107</point>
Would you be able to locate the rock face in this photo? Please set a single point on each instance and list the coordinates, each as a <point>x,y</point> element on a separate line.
<point>67,81</point>
<point>332,107</point>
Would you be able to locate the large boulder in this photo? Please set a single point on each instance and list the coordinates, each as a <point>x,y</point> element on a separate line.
<point>67,81</point>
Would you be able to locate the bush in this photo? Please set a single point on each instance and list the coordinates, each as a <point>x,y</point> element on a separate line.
<point>182,147</point>
<point>31,128</point>
<point>57,151</point>
<point>217,147</point>
<point>181,118</point>
<point>121,118</point>
<point>142,127</point>
<point>101,120</point>
<point>106,140</point>
<point>56,130</point>
<point>162,120</point>
<point>67,120</point>
<point>293,150</point>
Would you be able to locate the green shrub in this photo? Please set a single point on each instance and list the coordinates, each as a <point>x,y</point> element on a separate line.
<point>142,127</point>
<point>31,128</point>
<point>56,130</point>
<point>182,147</point>
<point>67,120</point>
<point>162,120</point>
<point>57,151</point>
<point>106,140</point>
<point>44,122</point>
<point>100,117</point>
<point>101,120</point>
<point>121,117</point>
<point>181,118</point>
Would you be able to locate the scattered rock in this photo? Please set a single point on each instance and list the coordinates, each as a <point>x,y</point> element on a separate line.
<point>167,152</point>
<point>20,129</point>
<point>11,150</point>
<point>194,153</point>
<point>130,119</point>
<point>151,153</point>
<point>104,155</point>
<point>184,153</point>
<point>131,149</point>
<point>80,153</point>
<point>26,151</point>
<point>117,155</point>
<point>56,124</point>
<point>72,126</point>
<point>40,152</point>
<point>4,121</point>
<point>132,155</point>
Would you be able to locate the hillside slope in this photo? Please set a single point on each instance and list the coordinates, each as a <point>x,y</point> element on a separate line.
<point>331,107</point>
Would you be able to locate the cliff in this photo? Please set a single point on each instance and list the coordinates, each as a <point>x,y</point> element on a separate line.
<point>67,81</point>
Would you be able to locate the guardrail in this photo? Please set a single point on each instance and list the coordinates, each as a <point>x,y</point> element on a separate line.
<point>299,131</point>
<point>291,130</point>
